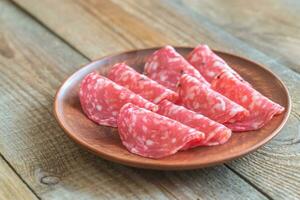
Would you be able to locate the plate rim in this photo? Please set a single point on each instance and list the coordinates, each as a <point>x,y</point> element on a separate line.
<point>165,166</point>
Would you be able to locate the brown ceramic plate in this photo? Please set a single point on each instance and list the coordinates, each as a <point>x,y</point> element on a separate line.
<point>105,142</point>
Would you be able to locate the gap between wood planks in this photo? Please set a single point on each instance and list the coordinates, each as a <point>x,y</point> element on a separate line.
<point>221,34</point>
<point>19,176</point>
<point>39,22</point>
<point>249,182</point>
<point>208,24</point>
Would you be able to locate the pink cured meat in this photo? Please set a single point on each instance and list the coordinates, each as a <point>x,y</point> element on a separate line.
<point>166,66</point>
<point>140,84</point>
<point>200,98</point>
<point>209,64</point>
<point>152,135</point>
<point>260,107</point>
<point>215,133</point>
<point>101,99</point>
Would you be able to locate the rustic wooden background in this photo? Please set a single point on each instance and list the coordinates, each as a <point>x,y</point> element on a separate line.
<point>42,42</point>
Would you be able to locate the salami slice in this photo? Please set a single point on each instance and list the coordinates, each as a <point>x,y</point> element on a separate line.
<point>215,133</point>
<point>140,84</point>
<point>101,99</point>
<point>260,107</point>
<point>152,135</point>
<point>200,98</point>
<point>209,64</point>
<point>166,66</point>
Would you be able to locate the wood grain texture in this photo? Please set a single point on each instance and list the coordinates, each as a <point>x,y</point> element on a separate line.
<point>103,21</point>
<point>269,26</point>
<point>33,64</point>
<point>11,186</point>
<point>222,27</point>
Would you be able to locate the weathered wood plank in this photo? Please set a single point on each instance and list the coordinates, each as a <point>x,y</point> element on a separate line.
<point>163,28</point>
<point>107,23</point>
<point>33,64</point>
<point>11,186</point>
<point>263,29</point>
<point>269,26</point>
<point>183,24</point>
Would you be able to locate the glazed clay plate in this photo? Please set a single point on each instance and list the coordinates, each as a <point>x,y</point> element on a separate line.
<point>105,141</point>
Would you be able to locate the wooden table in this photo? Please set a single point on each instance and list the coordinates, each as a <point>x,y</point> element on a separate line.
<point>42,42</point>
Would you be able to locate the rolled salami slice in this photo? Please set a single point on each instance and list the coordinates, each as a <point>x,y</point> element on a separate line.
<point>151,135</point>
<point>126,76</point>
<point>215,133</point>
<point>166,66</point>
<point>202,99</point>
<point>209,64</point>
<point>260,107</point>
<point>101,99</point>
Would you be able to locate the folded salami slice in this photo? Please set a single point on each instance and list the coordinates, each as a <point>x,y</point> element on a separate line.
<point>215,133</point>
<point>209,64</point>
<point>152,135</point>
<point>260,107</point>
<point>101,99</point>
<point>140,84</point>
<point>166,66</point>
<point>200,98</point>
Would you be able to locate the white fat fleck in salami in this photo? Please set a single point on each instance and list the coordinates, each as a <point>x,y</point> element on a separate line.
<point>215,133</point>
<point>196,105</point>
<point>234,111</point>
<point>211,74</point>
<point>170,66</point>
<point>163,77</point>
<point>207,101</point>
<point>221,106</point>
<point>175,59</point>
<point>244,98</point>
<point>218,62</point>
<point>195,58</point>
<point>190,95</point>
<point>102,103</point>
<point>99,107</point>
<point>211,123</point>
<point>140,84</point>
<point>261,108</point>
<point>251,105</point>
<point>125,78</point>
<point>160,140</point>
<point>145,120</point>
<point>149,106</point>
<point>94,76</point>
<point>149,142</point>
<point>89,86</point>
<point>154,65</point>
<point>117,87</point>
<point>134,150</point>
<point>144,128</point>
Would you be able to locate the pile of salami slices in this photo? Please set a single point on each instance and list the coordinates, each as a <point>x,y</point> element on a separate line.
<point>177,104</point>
